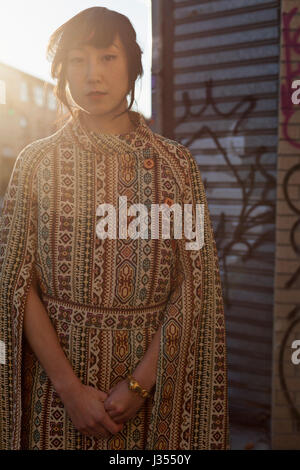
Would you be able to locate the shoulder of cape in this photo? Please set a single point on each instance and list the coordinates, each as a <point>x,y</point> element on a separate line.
<point>181,151</point>
<point>33,153</point>
<point>183,158</point>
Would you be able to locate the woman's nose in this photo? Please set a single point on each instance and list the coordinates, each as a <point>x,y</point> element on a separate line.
<point>94,70</point>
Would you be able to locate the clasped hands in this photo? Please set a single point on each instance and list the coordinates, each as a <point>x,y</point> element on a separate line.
<point>100,414</point>
<point>121,403</point>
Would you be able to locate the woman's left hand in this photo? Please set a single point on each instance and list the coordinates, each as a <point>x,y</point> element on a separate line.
<point>122,403</point>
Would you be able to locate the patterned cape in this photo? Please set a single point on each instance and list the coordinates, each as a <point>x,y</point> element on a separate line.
<point>120,289</point>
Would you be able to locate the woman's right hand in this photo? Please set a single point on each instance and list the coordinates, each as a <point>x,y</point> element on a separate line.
<point>84,405</point>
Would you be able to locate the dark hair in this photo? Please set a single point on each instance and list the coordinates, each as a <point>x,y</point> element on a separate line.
<point>105,24</point>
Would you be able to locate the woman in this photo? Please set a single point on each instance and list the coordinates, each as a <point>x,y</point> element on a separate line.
<point>80,313</point>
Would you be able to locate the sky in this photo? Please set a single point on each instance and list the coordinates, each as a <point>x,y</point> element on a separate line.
<point>26,26</point>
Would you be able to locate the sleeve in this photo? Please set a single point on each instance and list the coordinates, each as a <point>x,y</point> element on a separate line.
<point>18,238</point>
<point>190,403</point>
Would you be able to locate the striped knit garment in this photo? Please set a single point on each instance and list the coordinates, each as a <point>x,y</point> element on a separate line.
<point>107,297</point>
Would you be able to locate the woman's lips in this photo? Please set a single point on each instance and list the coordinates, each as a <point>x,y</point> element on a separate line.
<point>96,95</point>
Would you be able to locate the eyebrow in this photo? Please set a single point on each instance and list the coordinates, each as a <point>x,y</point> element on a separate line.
<point>81,48</point>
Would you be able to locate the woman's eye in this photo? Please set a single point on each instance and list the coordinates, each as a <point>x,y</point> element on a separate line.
<point>106,58</point>
<point>76,60</point>
<point>109,57</point>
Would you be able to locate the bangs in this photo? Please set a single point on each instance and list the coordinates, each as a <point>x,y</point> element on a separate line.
<point>94,30</point>
<point>96,26</point>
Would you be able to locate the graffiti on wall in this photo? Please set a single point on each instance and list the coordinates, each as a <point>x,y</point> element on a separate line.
<point>254,212</point>
<point>291,47</point>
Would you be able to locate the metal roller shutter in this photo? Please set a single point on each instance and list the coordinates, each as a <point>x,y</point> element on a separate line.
<point>219,74</point>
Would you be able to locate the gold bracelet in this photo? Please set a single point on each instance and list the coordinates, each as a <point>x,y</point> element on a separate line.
<point>135,387</point>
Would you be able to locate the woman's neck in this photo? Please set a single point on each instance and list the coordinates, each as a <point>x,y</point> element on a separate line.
<point>101,124</point>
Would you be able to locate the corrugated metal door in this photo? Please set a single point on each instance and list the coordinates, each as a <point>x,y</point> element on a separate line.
<point>219,73</point>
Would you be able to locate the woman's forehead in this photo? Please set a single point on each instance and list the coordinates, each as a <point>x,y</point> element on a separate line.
<point>82,47</point>
<point>83,43</point>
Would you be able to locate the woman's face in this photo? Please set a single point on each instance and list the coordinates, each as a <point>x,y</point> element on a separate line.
<point>102,70</point>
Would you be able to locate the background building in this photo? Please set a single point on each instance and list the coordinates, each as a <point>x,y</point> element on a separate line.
<point>27,113</point>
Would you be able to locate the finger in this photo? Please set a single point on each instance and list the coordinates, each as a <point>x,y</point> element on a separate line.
<point>113,414</point>
<point>121,419</point>
<point>108,404</point>
<point>111,425</point>
<point>117,416</point>
<point>100,431</point>
<point>103,395</point>
<point>109,407</point>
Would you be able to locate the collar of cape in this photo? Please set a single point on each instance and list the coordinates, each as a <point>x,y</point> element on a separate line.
<point>138,139</point>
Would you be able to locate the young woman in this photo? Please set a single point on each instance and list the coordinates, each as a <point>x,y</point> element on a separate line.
<point>80,313</point>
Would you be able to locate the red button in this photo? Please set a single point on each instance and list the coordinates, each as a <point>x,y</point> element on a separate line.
<point>169,201</point>
<point>148,163</point>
